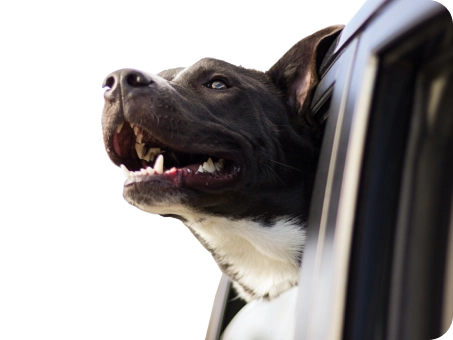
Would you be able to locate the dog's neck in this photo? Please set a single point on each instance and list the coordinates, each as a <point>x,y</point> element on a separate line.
<point>262,260</point>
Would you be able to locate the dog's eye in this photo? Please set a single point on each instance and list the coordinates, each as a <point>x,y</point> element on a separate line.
<point>217,85</point>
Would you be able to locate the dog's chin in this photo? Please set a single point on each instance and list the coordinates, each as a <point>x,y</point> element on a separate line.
<point>157,174</point>
<point>174,188</point>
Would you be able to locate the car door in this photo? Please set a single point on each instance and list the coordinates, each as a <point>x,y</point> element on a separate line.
<point>378,264</point>
<point>378,261</point>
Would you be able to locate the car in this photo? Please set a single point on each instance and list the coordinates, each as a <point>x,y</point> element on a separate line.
<point>378,260</point>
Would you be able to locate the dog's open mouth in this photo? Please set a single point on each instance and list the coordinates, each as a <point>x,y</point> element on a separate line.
<point>143,158</point>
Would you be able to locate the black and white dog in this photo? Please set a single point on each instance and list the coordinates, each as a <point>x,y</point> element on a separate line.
<point>229,151</point>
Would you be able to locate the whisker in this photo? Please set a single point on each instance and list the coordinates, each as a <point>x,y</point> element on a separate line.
<point>276,175</point>
<point>285,165</point>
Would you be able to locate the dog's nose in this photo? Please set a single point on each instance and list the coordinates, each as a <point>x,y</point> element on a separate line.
<point>125,79</point>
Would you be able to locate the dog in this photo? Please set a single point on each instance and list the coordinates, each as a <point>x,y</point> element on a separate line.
<point>229,151</point>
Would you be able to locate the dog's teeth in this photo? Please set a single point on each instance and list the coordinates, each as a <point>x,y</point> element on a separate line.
<point>152,152</point>
<point>139,138</point>
<point>209,166</point>
<point>126,172</point>
<point>150,171</point>
<point>136,130</point>
<point>143,172</point>
<point>119,127</point>
<point>171,171</point>
<point>219,164</point>
<point>205,167</point>
<point>200,169</point>
<point>140,148</point>
<point>149,156</point>
<point>158,151</point>
<point>159,164</point>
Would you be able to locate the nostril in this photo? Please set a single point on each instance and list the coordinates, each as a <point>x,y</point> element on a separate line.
<point>109,82</point>
<point>138,80</point>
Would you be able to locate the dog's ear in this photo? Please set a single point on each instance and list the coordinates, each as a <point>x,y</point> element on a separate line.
<point>296,73</point>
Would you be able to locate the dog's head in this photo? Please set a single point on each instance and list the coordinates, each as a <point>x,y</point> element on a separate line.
<point>216,138</point>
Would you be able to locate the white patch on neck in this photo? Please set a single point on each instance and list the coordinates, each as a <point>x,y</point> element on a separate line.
<point>265,258</point>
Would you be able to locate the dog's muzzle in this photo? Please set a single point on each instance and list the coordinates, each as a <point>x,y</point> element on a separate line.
<point>134,137</point>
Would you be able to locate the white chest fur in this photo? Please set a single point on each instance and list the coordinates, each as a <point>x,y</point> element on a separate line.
<point>261,260</point>
<point>264,260</point>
